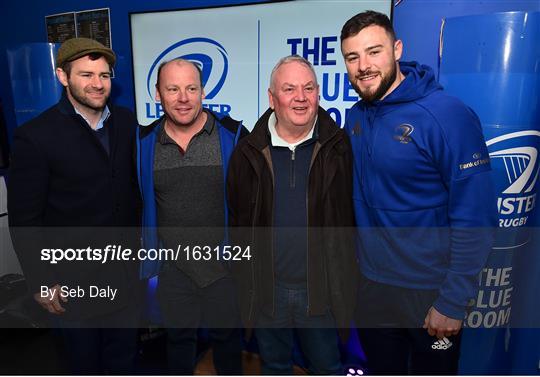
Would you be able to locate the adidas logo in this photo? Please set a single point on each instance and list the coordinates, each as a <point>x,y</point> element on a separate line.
<point>442,344</point>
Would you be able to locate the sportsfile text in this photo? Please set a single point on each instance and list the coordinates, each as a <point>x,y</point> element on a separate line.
<point>118,253</point>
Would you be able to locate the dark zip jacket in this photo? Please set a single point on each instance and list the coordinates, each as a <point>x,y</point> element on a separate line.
<point>229,130</point>
<point>331,261</point>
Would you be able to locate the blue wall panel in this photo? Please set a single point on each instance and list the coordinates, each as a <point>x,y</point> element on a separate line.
<point>418,22</point>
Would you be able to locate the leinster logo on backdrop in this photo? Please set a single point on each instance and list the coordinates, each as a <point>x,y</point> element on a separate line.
<point>519,159</point>
<point>514,159</point>
<point>208,54</point>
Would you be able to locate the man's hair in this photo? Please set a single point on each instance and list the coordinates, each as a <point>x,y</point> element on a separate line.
<point>368,18</point>
<point>66,67</point>
<point>290,59</point>
<point>179,60</point>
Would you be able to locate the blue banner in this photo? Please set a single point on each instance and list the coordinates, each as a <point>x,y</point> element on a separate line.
<point>492,63</point>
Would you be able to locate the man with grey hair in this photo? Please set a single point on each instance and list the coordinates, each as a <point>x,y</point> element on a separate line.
<point>290,184</point>
<point>183,163</point>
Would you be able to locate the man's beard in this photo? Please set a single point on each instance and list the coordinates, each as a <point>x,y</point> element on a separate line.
<point>385,84</point>
<point>78,95</point>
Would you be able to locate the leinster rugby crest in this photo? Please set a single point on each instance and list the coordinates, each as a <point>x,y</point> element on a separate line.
<point>403,133</point>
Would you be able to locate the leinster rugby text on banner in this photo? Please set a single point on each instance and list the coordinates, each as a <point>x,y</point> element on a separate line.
<point>118,253</point>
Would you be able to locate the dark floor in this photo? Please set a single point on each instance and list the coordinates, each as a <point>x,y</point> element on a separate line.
<point>37,351</point>
<point>29,351</point>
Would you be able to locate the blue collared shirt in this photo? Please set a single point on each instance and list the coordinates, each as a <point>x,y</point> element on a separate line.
<point>101,132</point>
<point>104,116</point>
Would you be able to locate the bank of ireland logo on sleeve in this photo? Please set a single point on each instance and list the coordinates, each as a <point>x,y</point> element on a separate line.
<point>208,54</point>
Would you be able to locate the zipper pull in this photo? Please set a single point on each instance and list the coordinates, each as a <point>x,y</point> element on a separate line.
<point>292,173</point>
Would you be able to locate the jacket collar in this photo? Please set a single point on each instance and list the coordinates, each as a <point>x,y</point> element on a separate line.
<point>325,129</point>
<point>65,106</point>
<point>219,121</point>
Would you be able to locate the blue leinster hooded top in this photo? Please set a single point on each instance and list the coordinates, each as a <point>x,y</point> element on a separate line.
<point>424,200</point>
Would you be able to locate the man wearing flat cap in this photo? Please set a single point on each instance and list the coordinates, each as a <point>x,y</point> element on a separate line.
<point>72,190</point>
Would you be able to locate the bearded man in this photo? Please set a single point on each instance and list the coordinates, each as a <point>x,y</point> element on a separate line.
<point>72,186</point>
<point>424,204</point>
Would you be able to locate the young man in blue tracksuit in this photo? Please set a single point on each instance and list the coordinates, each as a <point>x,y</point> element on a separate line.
<point>182,165</point>
<point>424,204</point>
